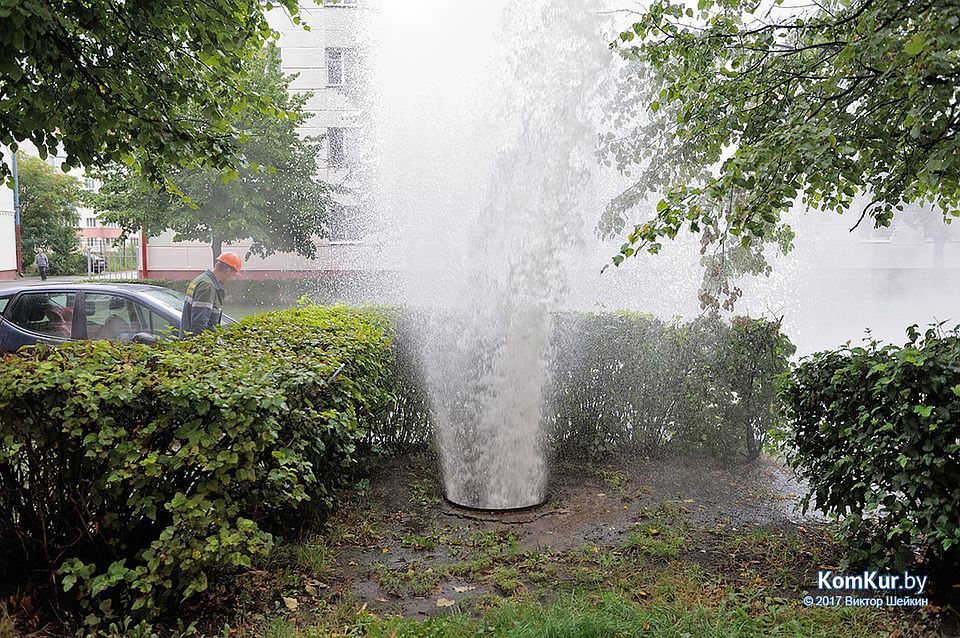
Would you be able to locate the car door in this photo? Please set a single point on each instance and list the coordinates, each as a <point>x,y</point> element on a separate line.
<point>45,316</point>
<point>108,315</point>
<point>119,317</point>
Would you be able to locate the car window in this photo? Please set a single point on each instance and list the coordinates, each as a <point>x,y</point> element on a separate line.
<point>160,326</point>
<point>173,299</point>
<point>47,313</point>
<point>114,317</point>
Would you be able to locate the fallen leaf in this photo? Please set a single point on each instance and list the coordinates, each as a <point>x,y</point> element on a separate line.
<point>290,603</point>
<point>460,590</point>
<point>601,494</point>
<point>386,549</point>
<point>445,602</point>
<point>646,626</point>
<point>381,599</point>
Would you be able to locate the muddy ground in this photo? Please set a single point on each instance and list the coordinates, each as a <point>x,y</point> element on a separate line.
<point>684,531</point>
<point>590,508</point>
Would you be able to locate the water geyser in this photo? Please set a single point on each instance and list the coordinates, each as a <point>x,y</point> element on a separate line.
<point>488,161</point>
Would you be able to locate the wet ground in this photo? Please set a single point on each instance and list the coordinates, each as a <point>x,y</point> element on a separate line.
<point>418,548</point>
<point>685,534</point>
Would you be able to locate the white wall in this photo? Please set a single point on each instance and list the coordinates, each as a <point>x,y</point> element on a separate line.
<point>164,255</point>
<point>8,242</point>
<point>304,53</point>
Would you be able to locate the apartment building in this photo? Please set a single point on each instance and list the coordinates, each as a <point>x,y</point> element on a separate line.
<point>326,62</point>
<point>8,237</point>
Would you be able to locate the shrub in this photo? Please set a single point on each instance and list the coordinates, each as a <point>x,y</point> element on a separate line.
<point>625,381</point>
<point>131,474</point>
<point>68,264</point>
<point>875,432</point>
<point>630,381</point>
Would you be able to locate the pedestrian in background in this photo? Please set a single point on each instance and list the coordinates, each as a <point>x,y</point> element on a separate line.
<point>204,306</point>
<point>43,263</point>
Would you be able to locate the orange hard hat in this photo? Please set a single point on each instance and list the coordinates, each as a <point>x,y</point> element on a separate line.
<point>231,259</point>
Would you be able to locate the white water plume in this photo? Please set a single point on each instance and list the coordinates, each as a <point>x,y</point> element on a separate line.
<point>489,162</point>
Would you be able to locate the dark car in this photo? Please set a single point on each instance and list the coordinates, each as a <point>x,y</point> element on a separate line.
<point>55,313</point>
<point>98,264</point>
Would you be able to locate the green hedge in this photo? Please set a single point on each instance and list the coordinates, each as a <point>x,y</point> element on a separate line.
<point>629,381</point>
<point>129,475</point>
<point>876,433</point>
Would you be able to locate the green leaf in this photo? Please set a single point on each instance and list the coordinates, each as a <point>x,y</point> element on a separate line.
<point>915,45</point>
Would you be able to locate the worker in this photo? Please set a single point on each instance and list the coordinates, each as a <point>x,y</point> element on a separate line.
<point>204,304</point>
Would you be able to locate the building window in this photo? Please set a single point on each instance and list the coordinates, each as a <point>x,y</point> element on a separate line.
<point>345,224</point>
<point>90,184</point>
<point>340,66</point>
<point>91,222</point>
<point>336,147</point>
<point>91,242</point>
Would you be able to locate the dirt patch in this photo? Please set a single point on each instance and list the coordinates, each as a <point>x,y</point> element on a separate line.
<point>427,555</point>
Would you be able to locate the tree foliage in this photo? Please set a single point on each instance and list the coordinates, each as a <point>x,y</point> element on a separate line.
<point>275,199</point>
<point>48,211</point>
<point>151,84</point>
<point>735,110</point>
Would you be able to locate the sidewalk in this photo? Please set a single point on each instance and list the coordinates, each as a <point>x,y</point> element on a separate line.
<point>36,281</point>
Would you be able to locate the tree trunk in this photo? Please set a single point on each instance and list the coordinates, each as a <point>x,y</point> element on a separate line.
<point>216,244</point>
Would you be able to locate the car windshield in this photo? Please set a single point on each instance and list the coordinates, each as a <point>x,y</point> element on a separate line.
<point>173,299</point>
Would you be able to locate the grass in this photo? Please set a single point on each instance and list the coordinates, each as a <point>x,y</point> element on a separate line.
<point>785,556</point>
<point>615,480</point>
<point>424,493</point>
<point>607,615</point>
<point>421,542</point>
<point>656,538</point>
<point>8,627</point>
<point>416,579</point>
<point>311,554</point>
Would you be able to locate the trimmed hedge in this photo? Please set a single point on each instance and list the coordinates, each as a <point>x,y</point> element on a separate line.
<point>129,475</point>
<point>629,381</point>
<point>876,433</point>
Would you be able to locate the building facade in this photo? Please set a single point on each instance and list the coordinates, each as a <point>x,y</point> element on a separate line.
<point>8,236</point>
<point>326,62</point>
